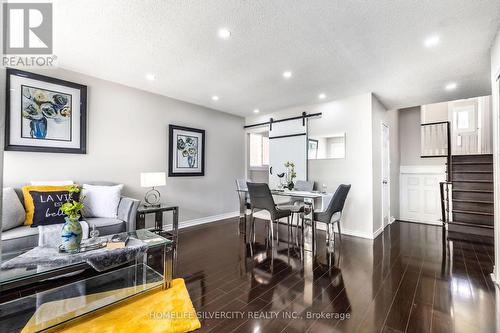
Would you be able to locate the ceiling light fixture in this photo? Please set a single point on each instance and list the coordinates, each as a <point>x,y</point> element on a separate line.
<point>431,41</point>
<point>321,96</point>
<point>287,74</point>
<point>224,33</point>
<point>215,98</point>
<point>256,110</point>
<point>151,77</point>
<point>451,86</point>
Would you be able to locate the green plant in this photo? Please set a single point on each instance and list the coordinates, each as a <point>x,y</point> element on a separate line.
<point>72,208</point>
<point>291,174</point>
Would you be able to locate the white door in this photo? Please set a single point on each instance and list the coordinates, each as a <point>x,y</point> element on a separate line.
<point>464,127</point>
<point>386,176</point>
<point>287,143</point>
<point>419,199</point>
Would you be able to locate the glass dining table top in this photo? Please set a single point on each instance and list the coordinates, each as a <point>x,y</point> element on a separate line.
<point>288,193</point>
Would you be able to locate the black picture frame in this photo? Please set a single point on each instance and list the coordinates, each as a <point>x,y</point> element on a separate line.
<point>172,149</point>
<point>40,149</point>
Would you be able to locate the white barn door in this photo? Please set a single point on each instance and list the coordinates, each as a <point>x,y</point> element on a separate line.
<point>287,142</point>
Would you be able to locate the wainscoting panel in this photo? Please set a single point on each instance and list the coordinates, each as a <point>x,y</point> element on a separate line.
<point>419,193</point>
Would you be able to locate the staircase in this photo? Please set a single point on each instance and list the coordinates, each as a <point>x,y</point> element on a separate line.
<point>472,195</point>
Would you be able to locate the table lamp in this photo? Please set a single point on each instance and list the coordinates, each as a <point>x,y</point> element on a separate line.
<point>152,179</point>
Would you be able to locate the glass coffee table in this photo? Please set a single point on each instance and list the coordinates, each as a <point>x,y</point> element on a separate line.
<point>45,309</point>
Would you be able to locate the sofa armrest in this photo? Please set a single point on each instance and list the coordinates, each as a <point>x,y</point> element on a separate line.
<point>127,211</point>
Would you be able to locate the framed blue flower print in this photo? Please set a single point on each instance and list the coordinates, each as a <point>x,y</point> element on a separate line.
<point>186,151</point>
<point>44,114</point>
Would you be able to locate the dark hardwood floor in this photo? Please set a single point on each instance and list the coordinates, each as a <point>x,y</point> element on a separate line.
<point>409,279</point>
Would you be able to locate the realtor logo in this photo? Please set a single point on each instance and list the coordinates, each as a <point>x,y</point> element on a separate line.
<point>27,28</point>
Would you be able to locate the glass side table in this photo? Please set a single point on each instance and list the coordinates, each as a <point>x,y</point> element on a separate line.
<point>160,227</point>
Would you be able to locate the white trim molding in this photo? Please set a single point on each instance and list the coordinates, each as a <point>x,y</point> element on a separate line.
<point>354,233</point>
<point>265,216</point>
<point>208,219</point>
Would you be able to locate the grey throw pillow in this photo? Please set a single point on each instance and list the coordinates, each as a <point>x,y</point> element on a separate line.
<point>13,214</point>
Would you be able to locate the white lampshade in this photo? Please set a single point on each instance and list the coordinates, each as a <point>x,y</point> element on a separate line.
<point>152,179</point>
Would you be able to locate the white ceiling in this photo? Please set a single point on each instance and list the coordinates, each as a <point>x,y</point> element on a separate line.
<point>340,48</point>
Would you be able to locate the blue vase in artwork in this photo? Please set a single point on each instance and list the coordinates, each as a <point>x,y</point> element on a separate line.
<point>38,128</point>
<point>191,161</point>
<point>71,235</point>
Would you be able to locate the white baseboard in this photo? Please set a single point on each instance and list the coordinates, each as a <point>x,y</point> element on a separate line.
<point>439,223</point>
<point>208,219</point>
<point>378,232</point>
<point>349,232</point>
<point>321,226</point>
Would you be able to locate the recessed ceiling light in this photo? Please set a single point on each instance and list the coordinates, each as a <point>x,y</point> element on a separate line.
<point>215,98</point>
<point>321,96</point>
<point>451,86</point>
<point>287,74</point>
<point>256,110</point>
<point>151,77</point>
<point>224,33</point>
<point>431,41</point>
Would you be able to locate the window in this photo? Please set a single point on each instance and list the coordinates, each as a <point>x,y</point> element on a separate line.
<point>326,146</point>
<point>259,150</point>
<point>463,120</point>
<point>337,150</point>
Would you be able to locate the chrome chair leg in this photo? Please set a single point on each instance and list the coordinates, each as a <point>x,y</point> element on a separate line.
<point>271,232</point>
<point>340,233</point>
<point>278,232</point>
<point>288,229</point>
<point>252,225</point>
<point>338,226</point>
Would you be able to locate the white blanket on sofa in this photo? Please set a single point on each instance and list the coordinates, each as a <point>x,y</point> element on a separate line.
<point>50,235</point>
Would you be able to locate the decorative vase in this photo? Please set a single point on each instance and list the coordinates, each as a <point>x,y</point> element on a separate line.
<point>191,161</point>
<point>71,235</point>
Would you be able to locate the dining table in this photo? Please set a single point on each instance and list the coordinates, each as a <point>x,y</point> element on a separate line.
<point>316,201</point>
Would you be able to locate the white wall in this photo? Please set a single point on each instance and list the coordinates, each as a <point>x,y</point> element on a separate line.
<point>378,117</point>
<point>495,72</point>
<point>433,113</point>
<point>390,118</point>
<point>409,139</point>
<point>352,116</point>
<point>128,134</point>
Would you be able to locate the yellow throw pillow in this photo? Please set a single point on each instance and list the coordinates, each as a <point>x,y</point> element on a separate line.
<point>28,199</point>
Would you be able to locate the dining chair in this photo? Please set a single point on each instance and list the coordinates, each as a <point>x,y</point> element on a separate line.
<point>241,187</point>
<point>261,198</point>
<point>333,214</point>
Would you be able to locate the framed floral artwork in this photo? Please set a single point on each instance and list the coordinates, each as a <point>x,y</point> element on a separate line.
<point>44,114</point>
<point>186,151</point>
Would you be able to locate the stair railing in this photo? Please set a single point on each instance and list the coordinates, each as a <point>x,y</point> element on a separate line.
<point>445,190</point>
<point>436,142</point>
